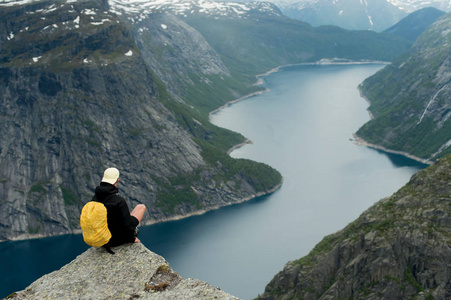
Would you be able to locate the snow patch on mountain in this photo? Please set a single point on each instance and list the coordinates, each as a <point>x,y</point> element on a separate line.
<point>16,2</point>
<point>178,7</point>
<point>186,7</point>
<point>413,5</point>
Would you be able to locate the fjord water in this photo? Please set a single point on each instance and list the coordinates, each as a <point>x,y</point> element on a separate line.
<point>302,127</point>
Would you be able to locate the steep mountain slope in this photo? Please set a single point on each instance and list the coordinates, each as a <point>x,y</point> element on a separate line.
<point>89,84</point>
<point>375,15</point>
<point>250,39</point>
<point>412,26</point>
<point>397,249</point>
<point>279,41</point>
<point>78,95</point>
<point>410,99</point>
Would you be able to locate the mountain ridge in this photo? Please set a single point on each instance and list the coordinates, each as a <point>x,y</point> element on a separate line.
<point>377,15</point>
<point>416,23</point>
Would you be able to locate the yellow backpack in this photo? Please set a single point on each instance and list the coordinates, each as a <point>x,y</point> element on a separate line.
<point>94,225</point>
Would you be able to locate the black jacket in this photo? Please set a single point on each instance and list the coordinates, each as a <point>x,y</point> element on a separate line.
<point>120,223</point>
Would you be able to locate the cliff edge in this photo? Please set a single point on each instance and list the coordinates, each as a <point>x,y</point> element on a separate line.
<point>133,272</point>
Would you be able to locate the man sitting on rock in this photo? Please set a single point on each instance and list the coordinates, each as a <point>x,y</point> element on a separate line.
<point>121,223</point>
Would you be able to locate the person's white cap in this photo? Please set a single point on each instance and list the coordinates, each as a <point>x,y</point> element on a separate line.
<point>110,175</point>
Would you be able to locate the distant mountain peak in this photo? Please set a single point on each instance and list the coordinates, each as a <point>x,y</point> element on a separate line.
<point>376,15</point>
<point>406,5</point>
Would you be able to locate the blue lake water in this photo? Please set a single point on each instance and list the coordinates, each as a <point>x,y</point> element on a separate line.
<point>303,127</point>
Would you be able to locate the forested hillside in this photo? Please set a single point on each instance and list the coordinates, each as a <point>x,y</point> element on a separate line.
<point>410,99</point>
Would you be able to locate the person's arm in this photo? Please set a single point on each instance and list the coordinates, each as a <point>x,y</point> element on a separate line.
<point>130,222</point>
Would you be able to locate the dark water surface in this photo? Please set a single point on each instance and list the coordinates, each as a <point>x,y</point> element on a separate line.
<point>302,127</point>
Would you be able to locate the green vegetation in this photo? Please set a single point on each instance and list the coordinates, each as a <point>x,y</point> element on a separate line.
<point>399,95</point>
<point>60,50</point>
<point>408,277</point>
<point>54,59</point>
<point>37,192</point>
<point>415,23</point>
<point>323,247</point>
<point>69,197</point>
<point>38,188</point>
<point>177,192</point>
<point>259,175</point>
<point>34,230</point>
<point>208,95</point>
<point>200,127</point>
<point>214,142</point>
<point>364,258</point>
<point>250,47</point>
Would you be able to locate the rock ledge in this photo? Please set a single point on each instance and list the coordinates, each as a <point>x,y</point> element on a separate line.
<point>133,272</point>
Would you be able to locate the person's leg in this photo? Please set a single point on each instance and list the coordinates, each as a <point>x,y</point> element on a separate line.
<point>138,212</point>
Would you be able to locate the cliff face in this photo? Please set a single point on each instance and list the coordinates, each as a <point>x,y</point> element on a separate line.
<point>397,249</point>
<point>410,99</point>
<point>83,89</point>
<point>133,272</point>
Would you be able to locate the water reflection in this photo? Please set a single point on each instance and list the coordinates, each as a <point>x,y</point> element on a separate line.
<point>400,161</point>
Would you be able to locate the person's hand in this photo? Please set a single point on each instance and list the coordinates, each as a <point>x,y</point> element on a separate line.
<point>137,240</point>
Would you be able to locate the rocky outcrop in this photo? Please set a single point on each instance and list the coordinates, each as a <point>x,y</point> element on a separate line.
<point>133,272</point>
<point>397,249</point>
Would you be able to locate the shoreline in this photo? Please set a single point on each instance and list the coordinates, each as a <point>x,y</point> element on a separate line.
<point>361,142</point>
<point>235,101</point>
<point>277,69</point>
<point>204,211</point>
<point>246,142</point>
<point>367,100</point>
<point>239,145</point>
<point>333,61</point>
<point>152,222</point>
